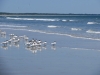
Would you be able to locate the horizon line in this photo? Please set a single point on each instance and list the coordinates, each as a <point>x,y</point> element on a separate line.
<point>47,13</point>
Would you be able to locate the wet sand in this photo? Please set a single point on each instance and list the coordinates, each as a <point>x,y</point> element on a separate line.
<point>64,59</point>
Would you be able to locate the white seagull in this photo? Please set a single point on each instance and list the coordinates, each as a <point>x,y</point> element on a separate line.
<point>4,43</point>
<point>44,43</point>
<point>54,43</point>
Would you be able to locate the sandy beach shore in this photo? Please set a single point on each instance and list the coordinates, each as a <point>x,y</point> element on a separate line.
<point>71,56</point>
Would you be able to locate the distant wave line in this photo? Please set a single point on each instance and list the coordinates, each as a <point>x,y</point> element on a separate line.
<point>41,19</point>
<point>93,23</point>
<point>11,26</point>
<point>52,26</point>
<point>76,29</point>
<point>91,31</point>
<point>67,20</point>
<point>37,19</point>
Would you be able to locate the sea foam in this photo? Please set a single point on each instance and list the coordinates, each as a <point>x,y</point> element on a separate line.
<point>52,26</point>
<point>36,19</point>
<point>92,23</point>
<point>75,29</point>
<point>91,31</point>
<point>72,20</point>
<point>64,20</point>
<point>12,26</point>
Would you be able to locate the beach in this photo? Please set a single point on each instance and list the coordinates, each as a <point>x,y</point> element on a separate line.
<point>49,61</point>
<point>50,45</point>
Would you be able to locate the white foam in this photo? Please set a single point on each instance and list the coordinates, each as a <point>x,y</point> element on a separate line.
<point>20,18</point>
<point>37,19</point>
<point>75,29</point>
<point>52,26</point>
<point>11,26</point>
<point>64,20</point>
<point>92,23</point>
<point>91,31</point>
<point>72,20</point>
<point>47,19</point>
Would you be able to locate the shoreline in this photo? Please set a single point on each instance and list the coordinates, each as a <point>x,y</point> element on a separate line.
<point>59,61</point>
<point>62,41</point>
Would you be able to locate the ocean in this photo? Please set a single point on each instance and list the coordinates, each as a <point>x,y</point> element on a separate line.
<point>77,44</point>
<point>75,26</point>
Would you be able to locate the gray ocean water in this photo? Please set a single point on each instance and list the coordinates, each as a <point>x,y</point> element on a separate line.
<point>86,26</point>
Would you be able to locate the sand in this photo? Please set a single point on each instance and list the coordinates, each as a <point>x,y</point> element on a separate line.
<point>71,56</point>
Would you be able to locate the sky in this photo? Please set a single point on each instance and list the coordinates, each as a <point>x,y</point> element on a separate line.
<point>51,6</point>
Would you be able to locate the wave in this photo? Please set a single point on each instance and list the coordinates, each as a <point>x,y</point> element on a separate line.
<point>36,19</point>
<point>64,20</point>
<point>62,34</point>
<point>52,26</point>
<point>76,29</point>
<point>39,19</point>
<point>12,26</point>
<point>19,18</point>
<point>72,20</point>
<point>47,19</point>
<point>91,31</point>
<point>93,23</point>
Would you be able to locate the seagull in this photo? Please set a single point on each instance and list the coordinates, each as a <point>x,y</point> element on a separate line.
<point>16,37</point>
<point>16,41</point>
<point>3,33</point>
<point>54,43</point>
<point>44,43</point>
<point>10,40</point>
<point>28,44</point>
<point>26,38</point>
<point>4,43</point>
<point>39,43</point>
<point>11,35</point>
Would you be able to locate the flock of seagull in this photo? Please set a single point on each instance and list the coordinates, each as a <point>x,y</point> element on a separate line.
<point>33,45</point>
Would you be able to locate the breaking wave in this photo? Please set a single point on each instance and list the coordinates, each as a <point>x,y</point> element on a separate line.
<point>64,20</point>
<point>93,23</point>
<point>76,29</point>
<point>91,31</point>
<point>52,26</point>
<point>36,19</point>
<point>12,26</point>
<point>72,20</point>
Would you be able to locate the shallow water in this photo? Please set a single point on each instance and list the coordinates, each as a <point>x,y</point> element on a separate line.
<point>50,61</point>
<point>60,61</point>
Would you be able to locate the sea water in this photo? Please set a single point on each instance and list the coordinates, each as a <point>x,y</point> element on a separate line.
<point>75,26</point>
